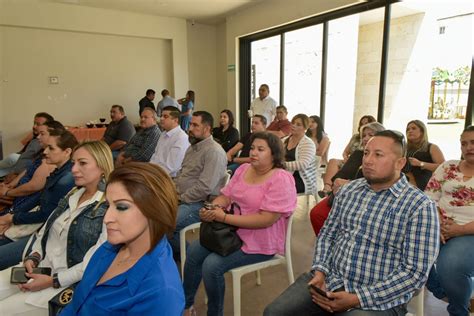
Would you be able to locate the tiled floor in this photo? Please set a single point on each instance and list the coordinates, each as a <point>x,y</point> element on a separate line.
<point>274,280</point>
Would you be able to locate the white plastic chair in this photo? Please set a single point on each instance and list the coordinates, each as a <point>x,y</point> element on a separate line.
<point>416,303</point>
<point>237,273</point>
<point>182,243</point>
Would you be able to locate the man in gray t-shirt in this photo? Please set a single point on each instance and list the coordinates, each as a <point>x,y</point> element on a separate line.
<point>120,130</point>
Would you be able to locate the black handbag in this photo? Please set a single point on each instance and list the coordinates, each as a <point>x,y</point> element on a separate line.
<point>60,300</point>
<point>220,238</point>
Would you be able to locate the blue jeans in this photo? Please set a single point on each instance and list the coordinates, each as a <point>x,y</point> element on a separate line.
<point>296,300</point>
<point>452,273</point>
<point>188,213</point>
<point>11,251</point>
<point>210,267</point>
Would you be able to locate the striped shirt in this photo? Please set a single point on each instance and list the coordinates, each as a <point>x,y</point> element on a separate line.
<point>378,245</point>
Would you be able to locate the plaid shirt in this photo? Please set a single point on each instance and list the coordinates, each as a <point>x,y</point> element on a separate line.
<point>142,145</point>
<point>378,245</point>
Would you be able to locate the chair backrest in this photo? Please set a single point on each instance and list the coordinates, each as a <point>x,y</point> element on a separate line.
<point>228,174</point>
<point>288,237</point>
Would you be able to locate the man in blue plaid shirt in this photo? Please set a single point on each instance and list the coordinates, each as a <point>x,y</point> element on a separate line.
<point>377,246</point>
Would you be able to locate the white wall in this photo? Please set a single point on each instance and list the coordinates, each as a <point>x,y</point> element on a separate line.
<point>95,71</point>
<point>99,52</point>
<point>202,54</point>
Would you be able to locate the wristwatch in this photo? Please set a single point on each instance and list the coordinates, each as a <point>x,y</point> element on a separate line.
<point>56,283</point>
<point>422,165</point>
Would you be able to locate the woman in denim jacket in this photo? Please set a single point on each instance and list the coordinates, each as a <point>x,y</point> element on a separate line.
<point>68,239</point>
<point>59,147</point>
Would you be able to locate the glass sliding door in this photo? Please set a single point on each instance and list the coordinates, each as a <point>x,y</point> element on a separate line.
<point>429,68</point>
<point>265,66</point>
<point>353,74</point>
<point>303,56</point>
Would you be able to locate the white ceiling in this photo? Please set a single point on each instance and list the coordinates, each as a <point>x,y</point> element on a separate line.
<point>202,11</point>
<point>215,11</point>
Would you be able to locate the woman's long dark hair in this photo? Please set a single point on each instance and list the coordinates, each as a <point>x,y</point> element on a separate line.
<point>230,115</point>
<point>319,129</point>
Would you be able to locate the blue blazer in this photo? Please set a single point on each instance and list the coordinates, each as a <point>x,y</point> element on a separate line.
<point>151,287</point>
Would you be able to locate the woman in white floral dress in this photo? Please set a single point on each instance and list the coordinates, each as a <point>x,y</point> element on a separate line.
<point>452,187</point>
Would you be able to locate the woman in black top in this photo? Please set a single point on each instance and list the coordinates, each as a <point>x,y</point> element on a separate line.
<point>226,134</point>
<point>422,157</point>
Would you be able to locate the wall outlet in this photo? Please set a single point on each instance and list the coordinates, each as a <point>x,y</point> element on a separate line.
<point>53,80</point>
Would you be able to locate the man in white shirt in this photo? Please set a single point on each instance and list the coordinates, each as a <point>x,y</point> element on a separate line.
<point>166,101</point>
<point>264,104</point>
<point>173,142</point>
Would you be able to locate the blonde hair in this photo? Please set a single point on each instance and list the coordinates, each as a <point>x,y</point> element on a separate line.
<point>423,144</point>
<point>101,153</point>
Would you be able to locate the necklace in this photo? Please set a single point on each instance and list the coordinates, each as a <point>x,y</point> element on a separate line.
<point>120,262</point>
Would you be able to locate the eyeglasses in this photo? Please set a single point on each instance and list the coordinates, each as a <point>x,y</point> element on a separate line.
<point>398,137</point>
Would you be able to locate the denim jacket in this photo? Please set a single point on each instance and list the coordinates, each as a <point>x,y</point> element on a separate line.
<point>83,233</point>
<point>58,184</point>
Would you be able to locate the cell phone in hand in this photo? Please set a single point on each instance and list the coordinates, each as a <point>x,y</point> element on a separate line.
<point>18,275</point>
<point>319,291</point>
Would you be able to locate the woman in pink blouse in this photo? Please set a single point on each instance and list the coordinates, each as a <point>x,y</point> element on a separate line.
<point>266,196</point>
<point>452,188</point>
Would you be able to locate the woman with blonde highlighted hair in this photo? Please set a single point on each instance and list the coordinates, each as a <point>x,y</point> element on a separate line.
<point>69,237</point>
<point>134,271</point>
<point>423,157</point>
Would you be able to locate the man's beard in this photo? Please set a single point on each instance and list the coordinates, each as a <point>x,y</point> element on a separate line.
<point>194,140</point>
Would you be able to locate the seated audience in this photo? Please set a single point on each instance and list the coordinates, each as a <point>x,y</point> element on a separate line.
<point>423,156</point>
<point>145,195</point>
<point>166,101</point>
<point>299,157</point>
<point>376,249</point>
<point>280,126</point>
<point>187,106</point>
<point>202,174</point>
<point>69,237</point>
<point>60,145</point>
<point>354,144</point>
<point>172,144</point>
<point>143,143</point>
<point>226,134</point>
<point>23,192</point>
<point>452,188</point>
<point>243,146</point>
<point>319,137</point>
<point>351,170</point>
<point>146,101</point>
<point>15,164</point>
<point>264,192</point>
<point>356,140</point>
<point>120,130</point>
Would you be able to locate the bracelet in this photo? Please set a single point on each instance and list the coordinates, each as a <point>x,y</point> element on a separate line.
<point>34,258</point>
<point>223,220</point>
<point>6,192</point>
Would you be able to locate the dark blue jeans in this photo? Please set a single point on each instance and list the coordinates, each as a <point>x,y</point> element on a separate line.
<point>452,274</point>
<point>210,267</point>
<point>188,213</point>
<point>296,300</point>
<point>11,251</point>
